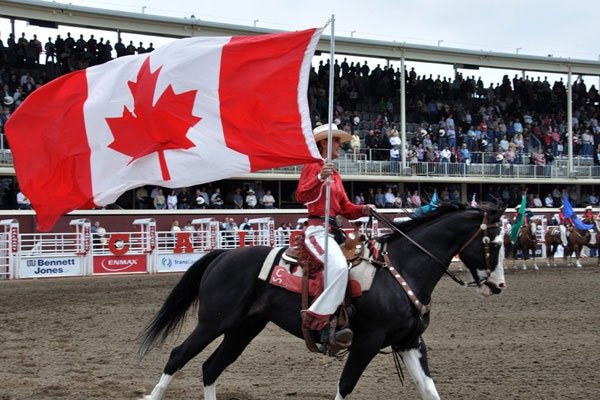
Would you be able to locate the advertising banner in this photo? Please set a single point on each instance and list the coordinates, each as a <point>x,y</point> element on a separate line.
<point>176,262</point>
<point>125,264</point>
<point>42,267</point>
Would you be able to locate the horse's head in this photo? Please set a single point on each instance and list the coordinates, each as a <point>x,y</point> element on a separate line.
<point>483,254</point>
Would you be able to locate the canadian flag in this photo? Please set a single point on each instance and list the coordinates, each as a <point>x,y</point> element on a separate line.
<point>193,111</point>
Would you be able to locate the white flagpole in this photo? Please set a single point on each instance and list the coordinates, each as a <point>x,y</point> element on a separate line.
<point>329,138</point>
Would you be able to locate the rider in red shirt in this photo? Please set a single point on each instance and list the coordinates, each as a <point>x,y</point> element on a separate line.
<point>564,222</point>
<point>311,191</point>
<point>588,216</point>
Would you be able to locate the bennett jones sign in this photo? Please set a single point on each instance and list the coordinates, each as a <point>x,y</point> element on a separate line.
<point>50,267</point>
<point>120,264</point>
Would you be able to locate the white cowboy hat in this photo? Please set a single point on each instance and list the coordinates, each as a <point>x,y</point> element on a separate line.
<point>8,100</point>
<point>560,207</point>
<point>588,208</point>
<point>250,191</point>
<point>321,133</point>
<point>517,206</point>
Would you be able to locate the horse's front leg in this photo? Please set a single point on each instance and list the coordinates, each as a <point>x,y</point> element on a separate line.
<point>418,368</point>
<point>364,349</point>
<point>550,250</point>
<point>533,256</point>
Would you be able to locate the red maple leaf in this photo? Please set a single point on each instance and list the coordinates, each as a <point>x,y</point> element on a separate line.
<point>152,128</point>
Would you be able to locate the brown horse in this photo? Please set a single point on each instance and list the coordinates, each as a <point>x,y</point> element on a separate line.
<point>526,241</point>
<point>552,239</point>
<point>576,240</point>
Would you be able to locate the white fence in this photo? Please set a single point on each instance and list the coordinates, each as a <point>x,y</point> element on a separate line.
<point>144,250</point>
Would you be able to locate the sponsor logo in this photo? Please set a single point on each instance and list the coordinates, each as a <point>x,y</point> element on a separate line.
<point>40,266</point>
<point>111,264</point>
<point>14,238</point>
<point>43,271</point>
<point>170,262</point>
<point>50,263</point>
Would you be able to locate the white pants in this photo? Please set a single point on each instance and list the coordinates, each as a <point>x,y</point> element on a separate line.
<point>336,270</point>
<point>563,235</point>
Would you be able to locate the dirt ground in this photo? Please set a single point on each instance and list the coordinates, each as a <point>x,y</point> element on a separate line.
<point>77,339</point>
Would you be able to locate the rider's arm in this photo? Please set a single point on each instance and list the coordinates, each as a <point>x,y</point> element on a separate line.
<point>310,184</point>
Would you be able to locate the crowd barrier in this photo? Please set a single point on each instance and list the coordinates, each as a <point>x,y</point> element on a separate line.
<point>82,252</point>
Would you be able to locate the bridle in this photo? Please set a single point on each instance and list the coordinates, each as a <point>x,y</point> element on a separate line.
<point>486,241</point>
<point>425,308</point>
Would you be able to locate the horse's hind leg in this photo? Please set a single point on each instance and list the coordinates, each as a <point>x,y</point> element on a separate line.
<point>416,364</point>
<point>233,344</point>
<point>180,355</point>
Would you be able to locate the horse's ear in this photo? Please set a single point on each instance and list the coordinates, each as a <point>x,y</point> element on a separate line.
<point>497,214</point>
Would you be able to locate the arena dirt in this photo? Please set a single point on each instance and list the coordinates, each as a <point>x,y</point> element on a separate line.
<point>77,339</point>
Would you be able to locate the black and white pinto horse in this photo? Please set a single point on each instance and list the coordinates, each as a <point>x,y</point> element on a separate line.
<point>235,304</point>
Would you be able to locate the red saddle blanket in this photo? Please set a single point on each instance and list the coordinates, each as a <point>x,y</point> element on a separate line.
<point>279,272</point>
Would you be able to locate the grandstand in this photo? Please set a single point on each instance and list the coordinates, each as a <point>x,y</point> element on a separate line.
<point>377,100</point>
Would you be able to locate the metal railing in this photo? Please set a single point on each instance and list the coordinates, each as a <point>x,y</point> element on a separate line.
<point>49,244</point>
<point>483,165</point>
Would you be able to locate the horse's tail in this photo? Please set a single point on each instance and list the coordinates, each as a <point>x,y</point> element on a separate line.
<point>172,313</point>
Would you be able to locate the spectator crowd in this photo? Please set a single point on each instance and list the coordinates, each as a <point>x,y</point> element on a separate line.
<point>456,119</point>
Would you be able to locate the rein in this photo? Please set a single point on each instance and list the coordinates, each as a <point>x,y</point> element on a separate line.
<point>425,308</point>
<point>389,224</point>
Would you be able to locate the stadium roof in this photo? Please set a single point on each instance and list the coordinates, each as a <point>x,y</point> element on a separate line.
<point>51,13</point>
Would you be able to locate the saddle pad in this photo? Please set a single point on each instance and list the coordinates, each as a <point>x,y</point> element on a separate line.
<point>278,272</point>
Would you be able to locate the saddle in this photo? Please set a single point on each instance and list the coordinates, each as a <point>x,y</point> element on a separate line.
<point>339,336</point>
<point>353,249</point>
<point>554,230</point>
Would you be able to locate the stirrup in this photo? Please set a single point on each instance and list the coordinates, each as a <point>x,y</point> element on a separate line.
<point>344,337</point>
<point>339,339</point>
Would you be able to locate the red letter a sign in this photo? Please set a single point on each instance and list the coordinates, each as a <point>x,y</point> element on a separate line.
<point>183,244</point>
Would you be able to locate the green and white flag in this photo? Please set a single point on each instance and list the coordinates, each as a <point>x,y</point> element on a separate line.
<point>514,230</point>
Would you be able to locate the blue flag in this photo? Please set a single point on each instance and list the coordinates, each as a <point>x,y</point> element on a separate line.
<point>433,204</point>
<point>569,213</point>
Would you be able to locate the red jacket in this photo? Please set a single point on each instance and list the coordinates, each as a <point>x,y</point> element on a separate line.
<point>311,192</point>
<point>563,220</point>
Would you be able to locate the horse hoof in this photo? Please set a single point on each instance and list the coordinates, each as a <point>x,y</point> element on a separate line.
<point>535,267</point>
<point>524,268</point>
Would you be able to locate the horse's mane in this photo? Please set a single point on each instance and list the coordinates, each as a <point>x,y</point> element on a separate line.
<point>445,209</point>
